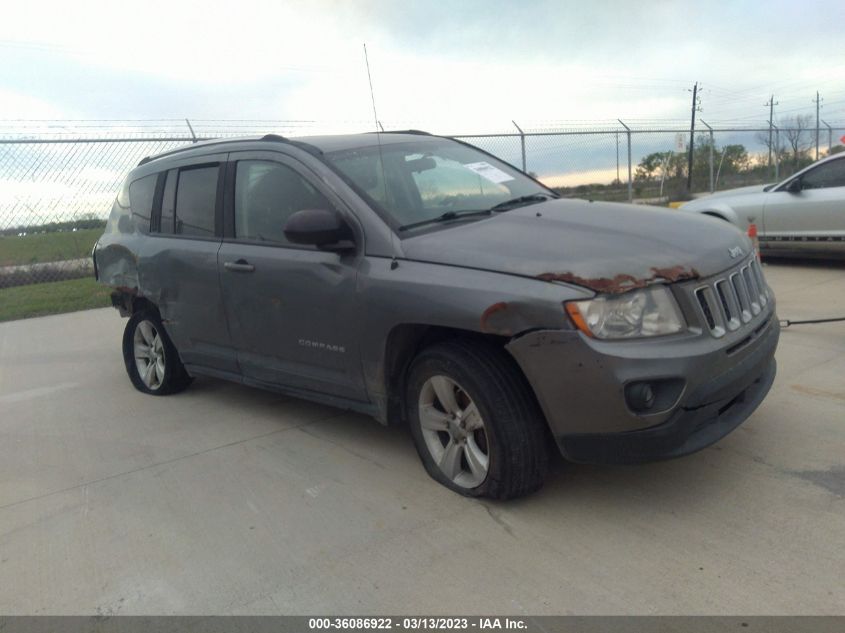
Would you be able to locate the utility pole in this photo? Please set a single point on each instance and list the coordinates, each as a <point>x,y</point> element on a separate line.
<point>692,135</point>
<point>771,103</point>
<point>818,102</point>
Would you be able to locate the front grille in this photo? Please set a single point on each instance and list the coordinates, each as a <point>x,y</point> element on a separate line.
<point>728,302</point>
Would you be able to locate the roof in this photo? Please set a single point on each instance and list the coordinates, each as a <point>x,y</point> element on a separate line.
<point>312,144</point>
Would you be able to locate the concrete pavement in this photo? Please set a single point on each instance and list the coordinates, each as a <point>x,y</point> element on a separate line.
<point>229,500</point>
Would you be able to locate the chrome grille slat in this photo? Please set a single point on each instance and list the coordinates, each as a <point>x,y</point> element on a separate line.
<point>730,302</point>
<point>744,301</point>
<point>752,289</point>
<point>761,284</point>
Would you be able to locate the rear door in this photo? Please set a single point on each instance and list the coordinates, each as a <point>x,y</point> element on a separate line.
<point>291,308</point>
<point>813,219</point>
<point>181,264</point>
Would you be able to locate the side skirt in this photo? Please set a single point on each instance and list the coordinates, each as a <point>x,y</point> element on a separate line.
<point>367,408</point>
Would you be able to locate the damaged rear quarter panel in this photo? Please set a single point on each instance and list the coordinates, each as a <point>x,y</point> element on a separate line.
<point>116,252</point>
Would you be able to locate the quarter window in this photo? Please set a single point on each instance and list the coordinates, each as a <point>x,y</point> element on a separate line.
<point>830,174</point>
<point>266,195</point>
<point>141,196</point>
<point>196,196</point>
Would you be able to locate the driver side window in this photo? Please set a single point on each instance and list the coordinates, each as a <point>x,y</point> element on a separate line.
<point>830,174</point>
<point>266,195</point>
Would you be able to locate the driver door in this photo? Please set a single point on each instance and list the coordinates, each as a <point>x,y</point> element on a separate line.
<point>811,220</point>
<point>290,307</point>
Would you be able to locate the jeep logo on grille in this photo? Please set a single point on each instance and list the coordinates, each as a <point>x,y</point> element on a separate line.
<point>735,252</point>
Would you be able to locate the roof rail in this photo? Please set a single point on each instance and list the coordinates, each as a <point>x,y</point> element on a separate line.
<point>311,149</point>
<point>420,132</point>
<point>185,148</point>
<point>267,137</point>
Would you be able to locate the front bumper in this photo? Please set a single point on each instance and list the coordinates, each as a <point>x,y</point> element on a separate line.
<point>580,384</point>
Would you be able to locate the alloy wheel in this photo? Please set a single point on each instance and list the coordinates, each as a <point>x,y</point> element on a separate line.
<point>454,431</point>
<point>149,354</point>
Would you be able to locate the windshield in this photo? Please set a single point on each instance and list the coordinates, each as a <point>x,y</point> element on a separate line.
<point>431,179</point>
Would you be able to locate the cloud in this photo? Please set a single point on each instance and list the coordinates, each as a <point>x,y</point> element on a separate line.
<point>451,66</point>
<point>15,105</point>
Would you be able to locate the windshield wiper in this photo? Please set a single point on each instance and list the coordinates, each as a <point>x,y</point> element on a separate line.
<point>445,217</point>
<point>522,201</point>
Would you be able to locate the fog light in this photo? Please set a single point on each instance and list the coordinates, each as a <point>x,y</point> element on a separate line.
<point>640,396</point>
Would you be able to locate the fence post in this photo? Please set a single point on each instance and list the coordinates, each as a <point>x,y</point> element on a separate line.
<point>712,146</point>
<point>522,145</point>
<point>630,180</point>
<point>193,136</point>
<point>829,137</point>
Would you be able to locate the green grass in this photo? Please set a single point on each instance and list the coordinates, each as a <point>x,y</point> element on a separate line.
<point>47,247</point>
<point>22,302</point>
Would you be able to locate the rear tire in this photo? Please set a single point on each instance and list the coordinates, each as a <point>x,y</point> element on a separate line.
<point>151,359</point>
<point>475,422</point>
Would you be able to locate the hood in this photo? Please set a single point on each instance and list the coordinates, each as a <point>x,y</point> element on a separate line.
<point>607,247</point>
<point>728,193</point>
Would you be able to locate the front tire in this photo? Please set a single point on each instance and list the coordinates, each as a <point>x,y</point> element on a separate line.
<point>151,359</point>
<point>475,422</point>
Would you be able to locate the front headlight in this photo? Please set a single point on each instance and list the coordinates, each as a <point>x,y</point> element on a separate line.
<point>639,313</point>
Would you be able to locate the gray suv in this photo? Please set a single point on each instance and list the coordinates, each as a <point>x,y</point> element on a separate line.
<point>420,280</point>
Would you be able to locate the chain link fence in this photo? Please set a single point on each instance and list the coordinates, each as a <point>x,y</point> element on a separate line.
<point>58,181</point>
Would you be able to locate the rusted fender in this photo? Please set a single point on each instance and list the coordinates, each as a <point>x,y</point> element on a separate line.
<point>509,318</point>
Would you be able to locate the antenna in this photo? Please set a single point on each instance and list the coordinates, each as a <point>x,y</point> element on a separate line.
<point>378,124</point>
<point>379,129</point>
<point>370,79</point>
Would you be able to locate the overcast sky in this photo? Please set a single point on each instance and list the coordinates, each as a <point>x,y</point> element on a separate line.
<point>454,66</point>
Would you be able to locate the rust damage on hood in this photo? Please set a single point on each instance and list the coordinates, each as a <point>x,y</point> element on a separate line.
<point>623,282</point>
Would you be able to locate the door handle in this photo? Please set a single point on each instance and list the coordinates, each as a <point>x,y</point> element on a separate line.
<point>240,266</point>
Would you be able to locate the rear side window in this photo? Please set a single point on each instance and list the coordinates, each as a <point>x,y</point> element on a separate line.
<point>141,196</point>
<point>196,197</point>
<point>266,195</point>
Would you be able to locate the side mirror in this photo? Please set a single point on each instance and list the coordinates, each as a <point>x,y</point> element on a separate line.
<point>319,227</point>
<point>794,186</point>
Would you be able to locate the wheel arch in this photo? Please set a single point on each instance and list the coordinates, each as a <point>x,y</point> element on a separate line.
<point>128,302</point>
<point>402,345</point>
<point>721,212</point>
<point>716,214</point>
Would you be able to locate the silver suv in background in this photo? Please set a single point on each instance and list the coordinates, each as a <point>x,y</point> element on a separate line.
<point>803,215</point>
<point>420,280</point>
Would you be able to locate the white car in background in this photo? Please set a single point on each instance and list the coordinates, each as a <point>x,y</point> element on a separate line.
<point>803,215</point>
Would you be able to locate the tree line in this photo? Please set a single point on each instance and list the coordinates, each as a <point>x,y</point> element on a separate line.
<point>791,149</point>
